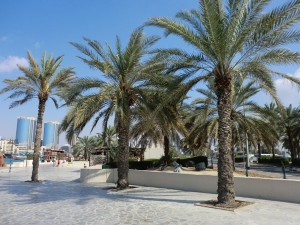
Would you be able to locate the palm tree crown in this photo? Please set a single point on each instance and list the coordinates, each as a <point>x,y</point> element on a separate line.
<point>122,85</point>
<point>233,38</point>
<point>42,82</point>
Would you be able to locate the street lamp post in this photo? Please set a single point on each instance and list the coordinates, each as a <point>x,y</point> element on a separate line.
<point>247,145</point>
<point>11,154</point>
<point>247,151</point>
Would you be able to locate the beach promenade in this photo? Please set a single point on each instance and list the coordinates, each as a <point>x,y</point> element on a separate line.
<point>62,199</point>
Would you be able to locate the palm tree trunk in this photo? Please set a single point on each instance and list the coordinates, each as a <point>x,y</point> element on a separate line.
<point>167,149</point>
<point>290,141</point>
<point>226,193</point>
<point>85,154</point>
<point>273,152</point>
<point>37,142</point>
<point>259,150</point>
<point>123,155</point>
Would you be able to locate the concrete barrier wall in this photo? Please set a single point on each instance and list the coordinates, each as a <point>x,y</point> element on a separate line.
<point>262,188</point>
<point>180,181</point>
<point>96,175</point>
<point>21,164</point>
<point>272,189</point>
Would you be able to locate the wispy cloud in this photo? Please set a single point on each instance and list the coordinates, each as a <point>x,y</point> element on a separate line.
<point>37,44</point>
<point>10,63</point>
<point>287,91</point>
<point>3,38</point>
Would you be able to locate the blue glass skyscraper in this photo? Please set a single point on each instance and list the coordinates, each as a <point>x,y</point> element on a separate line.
<point>51,135</point>
<point>25,134</point>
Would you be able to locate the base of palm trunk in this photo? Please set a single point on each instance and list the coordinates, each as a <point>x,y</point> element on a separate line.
<point>35,167</point>
<point>39,181</point>
<point>231,207</point>
<point>122,184</point>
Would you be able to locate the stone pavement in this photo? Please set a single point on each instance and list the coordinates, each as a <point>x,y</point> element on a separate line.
<point>61,199</point>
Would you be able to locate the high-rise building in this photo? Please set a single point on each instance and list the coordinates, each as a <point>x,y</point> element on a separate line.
<point>25,134</point>
<point>51,135</point>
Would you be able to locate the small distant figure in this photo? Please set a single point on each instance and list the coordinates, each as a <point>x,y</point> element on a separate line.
<point>58,163</point>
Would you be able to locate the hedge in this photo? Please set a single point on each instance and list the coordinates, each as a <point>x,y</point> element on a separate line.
<point>154,163</point>
<point>296,162</point>
<point>144,165</point>
<point>137,165</point>
<point>240,159</point>
<point>271,160</point>
<point>186,162</point>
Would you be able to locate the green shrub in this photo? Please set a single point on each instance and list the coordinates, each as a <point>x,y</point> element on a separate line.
<point>109,165</point>
<point>271,160</point>
<point>200,166</point>
<point>240,159</point>
<point>196,160</point>
<point>190,163</point>
<point>137,165</point>
<point>296,162</point>
<point>144,165</point>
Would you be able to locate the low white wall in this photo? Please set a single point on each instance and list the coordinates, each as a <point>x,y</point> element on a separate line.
<point>262,188</point>
<point>25,163</point>
<point>95,175</point>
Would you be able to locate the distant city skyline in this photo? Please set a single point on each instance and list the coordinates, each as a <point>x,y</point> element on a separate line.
<point>50,135</point>
<point>25,131</point>
<point>51,25</point>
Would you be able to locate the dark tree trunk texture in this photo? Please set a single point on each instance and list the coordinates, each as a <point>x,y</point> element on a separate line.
<point>85,154</point>
<point>291,146</point>
<point>226,193</point>
<point>259,150</point>
<point>37,142</point>
<point>123,155</point>
<point>167,150</point>
<point>273,152</point>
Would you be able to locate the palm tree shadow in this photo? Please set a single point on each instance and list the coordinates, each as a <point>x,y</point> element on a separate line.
<point>55,191</point>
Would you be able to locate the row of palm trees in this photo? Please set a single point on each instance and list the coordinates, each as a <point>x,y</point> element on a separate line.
<point>87,144</point>
<point>230,40</point>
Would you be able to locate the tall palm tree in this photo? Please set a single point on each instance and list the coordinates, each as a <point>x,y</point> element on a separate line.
<point>84,146</point>
<point>158,124</point>
<point>108,139</point>
<point>290,124</point>
<point>233,38</point>
<point>248,118</point>
<point>119,88</point>
<point>274,117</point>
<point>44,81</point>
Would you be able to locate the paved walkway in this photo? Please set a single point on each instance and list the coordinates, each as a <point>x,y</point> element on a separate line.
<point>61,199</point>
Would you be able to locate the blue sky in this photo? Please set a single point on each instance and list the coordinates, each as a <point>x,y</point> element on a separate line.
<point>43,25</point>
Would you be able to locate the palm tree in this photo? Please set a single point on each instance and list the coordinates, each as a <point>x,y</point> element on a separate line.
<point>43,82</point>
<point>108,139</point>
<point>274,117</point>
<point>158,123</point>
<point>247,118</point>
<point>290,124</point>
<point>233,38</point>
<point>116,92</point>
<point>84,147</point>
